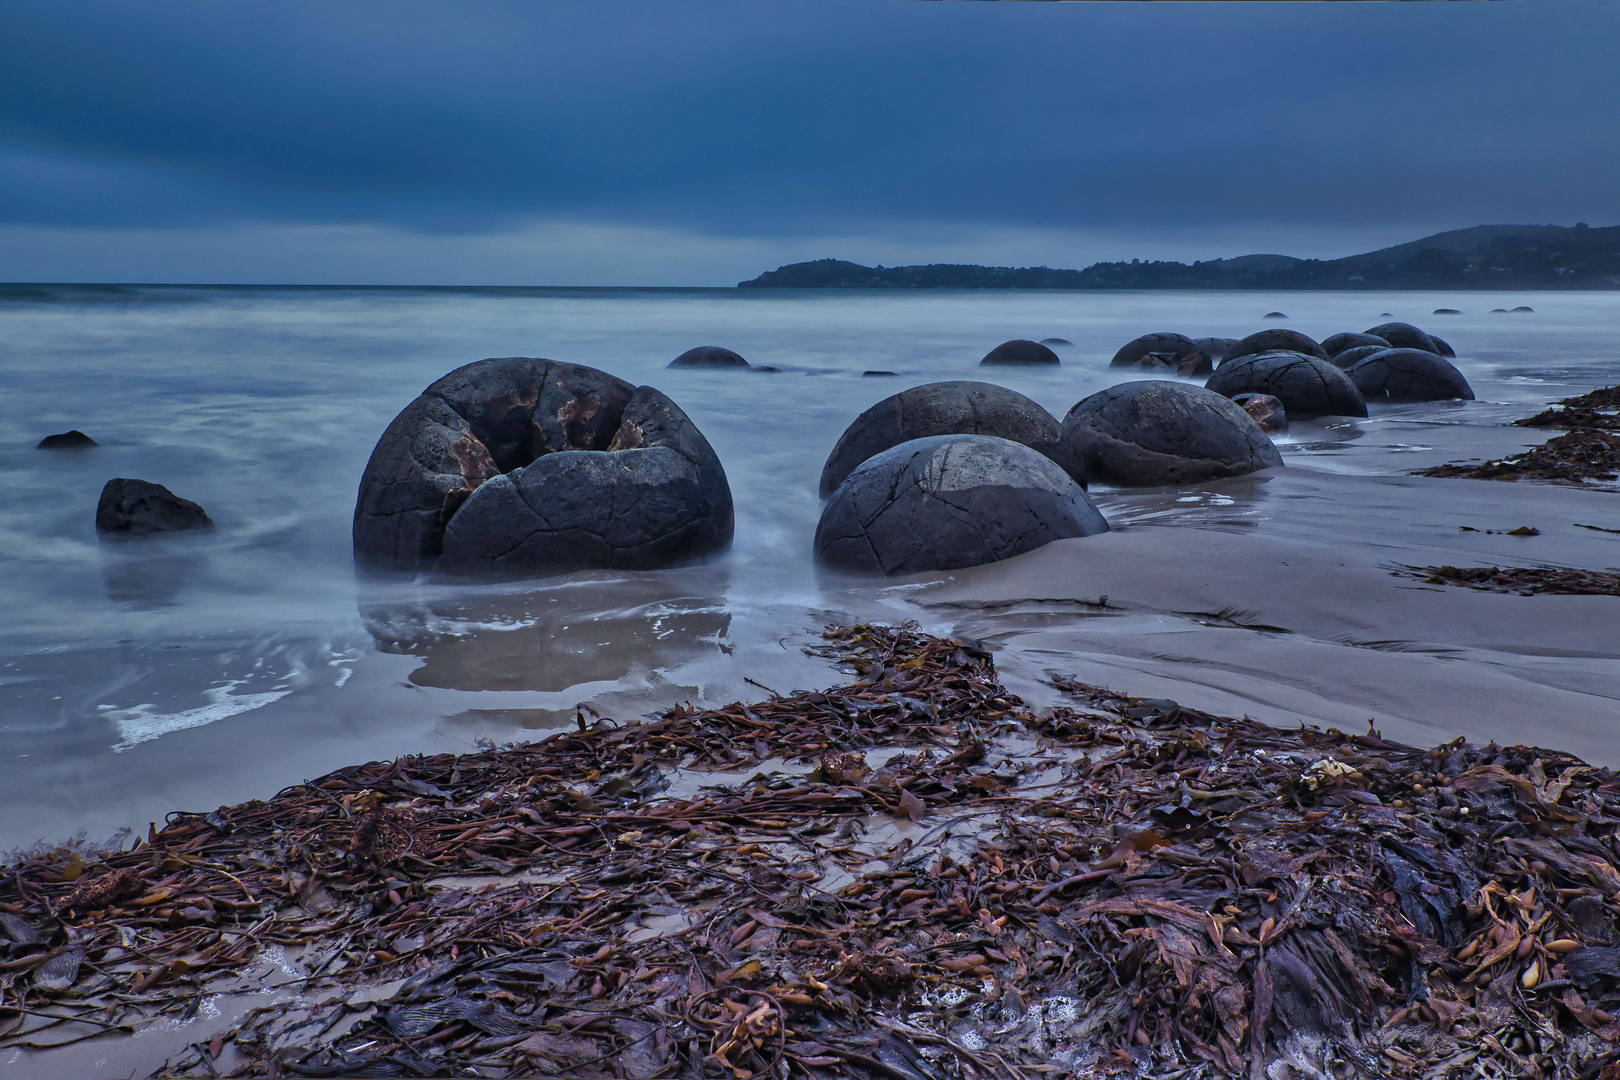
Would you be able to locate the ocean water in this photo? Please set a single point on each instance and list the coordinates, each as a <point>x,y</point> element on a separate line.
<point>183,671</point>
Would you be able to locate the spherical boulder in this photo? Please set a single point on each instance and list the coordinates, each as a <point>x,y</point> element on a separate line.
<point>1265,411</point>
<point>947,408</point>
<point>1343,360</point>
<point>1161,432</point>
<point>1216,347</point>
<point>1274,340</point>
<point>132,507</point>
<point>1337,343</point>
<point>1441,346</point>
<point>708,356</point>
<point>1164,353</point>
<point>1307,387</point>
<point>1402,335</point>
<point>948,502</point>
<point>1408,375</point>
<point>582,469</point>
<point>1020,351</point>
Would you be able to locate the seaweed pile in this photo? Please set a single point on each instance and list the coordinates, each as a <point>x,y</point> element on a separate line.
<point>910,877</point>
<point>1572,458</point>
<point>1524,580</point>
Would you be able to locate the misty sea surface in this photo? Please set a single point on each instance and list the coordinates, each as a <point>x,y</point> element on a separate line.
<point>184,671</point>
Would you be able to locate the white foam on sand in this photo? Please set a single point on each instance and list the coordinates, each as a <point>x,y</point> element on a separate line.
<point>140,723</point>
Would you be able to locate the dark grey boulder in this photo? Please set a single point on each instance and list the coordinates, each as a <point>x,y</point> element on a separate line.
<point>708,356</point>
<point>947,408</point>
<point>1055,341</point>
<point>495,419</point>
<point>1349,356</point>
<point>1446,311</point>
<point>1402,335</point>
<point>1161,432</point>
<point>1408,375</point>
<point>138,506</point>
<point>1307,387</point>
<point>1442,346</point>
<point>875,374</point>
<point>1522,307</point>
<point>1274,340</point>
<point>948,502</point>
<point>66,440</point>
<point>1264,410</point>
<point>1337,343</point>
<point>1216,347</point>
<point>1274,315</point>
<point>1164,353</point>
<point>1499,311</point>
<point>1020,351</point>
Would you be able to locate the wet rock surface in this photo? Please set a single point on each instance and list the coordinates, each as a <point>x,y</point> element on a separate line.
<point>1396,375</point>
<point>133,507</point>
<point>1274,340</point>
<point>1307,387</point>
<point>1264,410</point>
<point>1158,432</point>
<point>1338,343</point>
<point>948,502</point>
<point>708,356</point>
<point>947,408</point>
<point>1347,359</point>
<point>66,440</point>
<point>1020,351</point>
<point>1442,346</point>
<point>1164,353</point>
<point>1403,335</point>
<point>593,472</point>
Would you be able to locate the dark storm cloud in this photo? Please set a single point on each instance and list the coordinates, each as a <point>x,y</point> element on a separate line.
<point>771,118</point>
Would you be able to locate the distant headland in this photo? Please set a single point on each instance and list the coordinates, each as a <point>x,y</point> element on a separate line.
<point>1483,257</point>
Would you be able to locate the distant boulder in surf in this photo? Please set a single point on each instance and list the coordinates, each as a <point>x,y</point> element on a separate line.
<point>133,507</point>
<point>1264,341</point>
<point>708,356</point>
<point>66,440</point>
<point>1307,387</point>
<point>1522,307</point>
<point>470,474</point>
<point>876,374</point>
<point>1160,432</point>
<point>1343,360</point>
<point>1442,346</point>
<point>1055,341</point>
<point>1396,375</point>
<point>1446,311</point>
<point>1216,347</point>
<point>947,408</point>
<point>948,502</point>
<point>1499,311</point>
<point>1164,353</point>
<point>1264,410</point>
<point>1020,351</point>
<point>1401,335</point>
<point>1274,315</point>
<point>1337,343</point>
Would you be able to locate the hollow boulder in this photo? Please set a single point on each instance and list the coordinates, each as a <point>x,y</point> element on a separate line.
<point>947,408</point>
<point>708,356</point>
<point>592,471</point>
<point>132,507</point>
<point>1337,343</point>
<point>1164,353</point>
<point>1408,375</point>
<point>1020,351</point>
<point>1265,411</point>
<point>1307,387</point>
<point>1274,340</point>
<point>1403,335</point>
<point>948,502</point>
<point>1161,432</point>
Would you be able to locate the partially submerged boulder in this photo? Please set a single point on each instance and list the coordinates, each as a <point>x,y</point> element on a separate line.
<point>1264,410</point>
<point>1216,347</point>
<point>948,502</point>
<point>1403,335</point>
<point>708,356</point>
<point>66,440</point>
<point>1442,346</point>
<point>1408,375</point>
<point>1344,360</point>
<point>1020,351</point>
<point>1337,343</point>
<point>132,507</point>
<point>1274,340</point>
<point>1164,353</point>
<point>1161,432</point>
<point>1307,387</point>
<point>947,408</point>
<point>592,472</point>
<point>1056,341</point>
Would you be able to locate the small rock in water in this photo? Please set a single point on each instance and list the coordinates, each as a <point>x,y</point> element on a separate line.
<point>1274,315</point>
<point>766,368</point>
<point>1020,351</point>
<point>67,440</point>
<point>875,374</point>
<point>1055,341</point>
<point>139,506</point>
<point>1498,311</point>
<point>1523,307</point>
<point>1265,410</point>
<point>1446,311</point>
<point>708,356</point>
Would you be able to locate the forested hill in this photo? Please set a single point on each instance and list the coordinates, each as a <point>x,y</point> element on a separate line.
<point>1484,257</point>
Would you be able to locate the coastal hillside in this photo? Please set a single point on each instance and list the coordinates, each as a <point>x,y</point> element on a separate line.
<point>1483,257</point>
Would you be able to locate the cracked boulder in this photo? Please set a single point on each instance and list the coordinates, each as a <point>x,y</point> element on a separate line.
<point>948,502</point>
<point>1020,351</point>
<point>522,466</point>
<point>1160,432</point>
<point>1347,358</point>
<point>947,408</point>
<point>1307,387</point>
<point>1403,335</point>
<point>1337,343</point>
<point>1274,340</point>
<point>1408,375</point>
<point>1164,354</point>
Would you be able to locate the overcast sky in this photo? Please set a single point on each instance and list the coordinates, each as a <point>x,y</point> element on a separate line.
<point>696,143</point>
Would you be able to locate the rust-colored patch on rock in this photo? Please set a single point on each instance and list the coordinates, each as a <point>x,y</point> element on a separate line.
<point>628,437</point>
